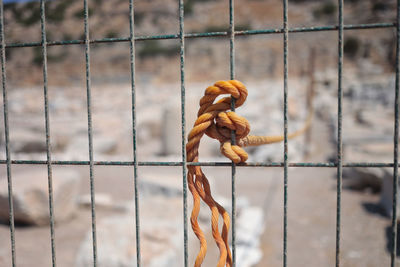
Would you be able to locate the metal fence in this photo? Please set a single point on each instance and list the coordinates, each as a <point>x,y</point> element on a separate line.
<point>231,33</point>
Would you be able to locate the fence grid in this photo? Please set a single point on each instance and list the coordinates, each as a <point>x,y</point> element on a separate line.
<point>231,34</point>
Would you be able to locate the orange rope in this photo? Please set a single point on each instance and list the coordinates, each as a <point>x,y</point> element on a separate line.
<point>215,121</point>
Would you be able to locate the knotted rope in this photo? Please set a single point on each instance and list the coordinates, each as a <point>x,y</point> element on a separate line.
<point>217,122</point>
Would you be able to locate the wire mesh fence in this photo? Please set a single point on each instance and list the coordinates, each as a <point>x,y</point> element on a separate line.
<point>285,31</point>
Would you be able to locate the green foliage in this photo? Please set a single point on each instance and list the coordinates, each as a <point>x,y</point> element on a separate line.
<point>9,54</point>
<point>37,56</point>
<point>51,57</point>
<point>243,27</point>
<point>29,13</point>
<point>55,10</point>
<point>153,48</point>
<point>80,14</point>
<point>224,28</point>
<point>67,37</point>
<point>379,6</point>
<point>111,34</point>
<point>188,7</point>
<point>82,36</point>
<point>216,28</point>
<point>139,16</point>
<point>327,9</point>
<point>351,47</point>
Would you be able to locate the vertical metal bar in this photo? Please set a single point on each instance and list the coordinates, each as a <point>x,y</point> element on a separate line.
<point>47,126</point>
<point>135,160</point>
<point>183,119</point>
<point>232,38</point>
<point>285,127</point>
<point>396,143</point>
<point>7,136</point>
<point>90,135</point>
<point>339,133</point>
<point>233,133</point>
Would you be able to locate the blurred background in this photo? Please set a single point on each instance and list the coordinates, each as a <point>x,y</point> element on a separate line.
<point>368,119</point>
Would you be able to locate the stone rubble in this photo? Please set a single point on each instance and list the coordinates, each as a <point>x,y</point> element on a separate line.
<point>367,136</point>
<point>102,202</point>
<point>368,121</point>
<point>158,122</point>
<point>160,238</point>
<point>386,197</point>
<point>364,178</point>
<point>31,197</point>
<point>250,227</point>
<point>116,244</point>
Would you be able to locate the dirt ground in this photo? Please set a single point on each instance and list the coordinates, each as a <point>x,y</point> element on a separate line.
<point>311,215</point>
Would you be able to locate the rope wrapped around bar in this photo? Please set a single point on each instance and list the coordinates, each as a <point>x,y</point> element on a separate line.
<point>217,122</point>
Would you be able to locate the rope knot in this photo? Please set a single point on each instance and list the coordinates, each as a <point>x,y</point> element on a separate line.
<point>218,123</point>
<point>226,122</point>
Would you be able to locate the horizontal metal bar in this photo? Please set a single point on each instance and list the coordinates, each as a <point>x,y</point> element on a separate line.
<point>209,164</point>
<point>208,34</point>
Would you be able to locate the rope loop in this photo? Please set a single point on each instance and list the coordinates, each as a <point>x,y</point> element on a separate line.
<point>217,122</point>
